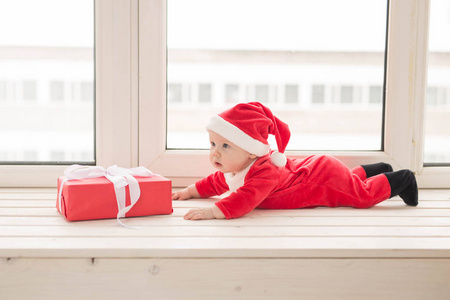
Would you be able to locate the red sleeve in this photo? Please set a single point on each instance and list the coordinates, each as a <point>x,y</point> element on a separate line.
<point>260,181</point>
<point>212,185</point>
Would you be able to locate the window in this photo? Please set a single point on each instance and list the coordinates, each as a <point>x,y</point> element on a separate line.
<point>41,41</point>
<point>291,94</point>
<point>174,94</point>
<point>2,90</point>
<point>87,91</point>
<point>57,156</point>
<point>30,156</point>
<point>347,94</point>
<point>375,94</point>
<point>262,93</point>
<point>437,96</point>
<point>437,128</point>
<point>249,49</point>
<point>29,90</point>
<point>204,93</point>
<point>231,93</point>
<point>318,94</point>
<point>57,91</point>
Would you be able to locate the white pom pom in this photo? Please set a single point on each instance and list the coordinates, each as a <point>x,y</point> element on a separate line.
<point>278,159</point>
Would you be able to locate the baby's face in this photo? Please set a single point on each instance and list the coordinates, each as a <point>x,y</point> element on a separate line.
<point>226,156</point>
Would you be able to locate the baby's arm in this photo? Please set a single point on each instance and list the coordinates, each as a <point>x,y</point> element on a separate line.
<point>206,213</point>
<point>187,193</point>
<point>209,186</point>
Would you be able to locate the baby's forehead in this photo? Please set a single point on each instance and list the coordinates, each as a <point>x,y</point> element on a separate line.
<point>217,137</point>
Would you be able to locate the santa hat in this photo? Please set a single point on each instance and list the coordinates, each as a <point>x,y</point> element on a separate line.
<point>248,126</point>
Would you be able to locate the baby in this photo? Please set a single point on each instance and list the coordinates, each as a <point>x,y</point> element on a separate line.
<point>259,177</point>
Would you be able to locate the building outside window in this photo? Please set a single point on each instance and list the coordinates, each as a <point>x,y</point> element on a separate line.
<point>375,94</point>
<point>204,93</point>
<point>174,93</point>
<point>291,94</point>
<point>347,94</point>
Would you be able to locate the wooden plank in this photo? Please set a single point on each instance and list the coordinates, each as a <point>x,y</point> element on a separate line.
<point>28,190</point>
<point>179,279</point>
<point>425,194</point>
<point>434,194</point>
<point>169,220</point>
<point>217,231</point>
<point>402,211</point>
<point>27,211</point>
<point>28,196</point>
<point>233,247</point>
<point>442,196</point>
<point>51,194</point>
<point>205,203</point>
<point>389,203</point>
<point>378,211</point>
<point>27,203</point>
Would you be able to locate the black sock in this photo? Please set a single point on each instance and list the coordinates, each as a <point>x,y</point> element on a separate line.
<point>375,169</point>
<point>403,183</point>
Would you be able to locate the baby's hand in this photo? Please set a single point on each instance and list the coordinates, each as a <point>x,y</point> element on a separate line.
<point>199,214</point>
<point>205,213</point>
<point>187,193</point>
<point>181,195</point>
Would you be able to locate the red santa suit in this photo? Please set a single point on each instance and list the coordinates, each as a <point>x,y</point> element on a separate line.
<point>310,182</point>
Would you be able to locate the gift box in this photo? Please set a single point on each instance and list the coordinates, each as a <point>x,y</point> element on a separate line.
<point>95,198</point>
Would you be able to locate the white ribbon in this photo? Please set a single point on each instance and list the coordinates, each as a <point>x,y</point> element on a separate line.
<point>120,177</point>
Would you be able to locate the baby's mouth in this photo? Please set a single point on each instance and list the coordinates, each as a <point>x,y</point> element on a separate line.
<point>217,164</point>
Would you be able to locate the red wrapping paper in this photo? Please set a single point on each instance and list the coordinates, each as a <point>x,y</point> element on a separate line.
<point>95,198</point>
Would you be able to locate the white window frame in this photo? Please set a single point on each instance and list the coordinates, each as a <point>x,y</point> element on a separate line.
<point>131,98</point>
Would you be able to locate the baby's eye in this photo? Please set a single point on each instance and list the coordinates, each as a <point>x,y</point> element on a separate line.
<point>226,146</point>
<point>213,144</point>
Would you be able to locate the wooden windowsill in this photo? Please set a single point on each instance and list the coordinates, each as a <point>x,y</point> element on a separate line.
<point>390,251</point>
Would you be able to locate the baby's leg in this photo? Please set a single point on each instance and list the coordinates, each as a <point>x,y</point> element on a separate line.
<point>366,171</point>
<point>333,184</point>
<point>366,193</point>
<point>359,171</point>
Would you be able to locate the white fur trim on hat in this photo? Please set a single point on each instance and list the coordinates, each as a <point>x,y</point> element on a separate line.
<point>237,136</point>
<point>278,159</point>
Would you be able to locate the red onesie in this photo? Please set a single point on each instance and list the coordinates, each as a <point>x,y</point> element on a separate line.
<point>310,182</point>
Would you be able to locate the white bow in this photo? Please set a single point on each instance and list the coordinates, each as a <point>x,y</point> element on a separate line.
<point>120,177</point>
